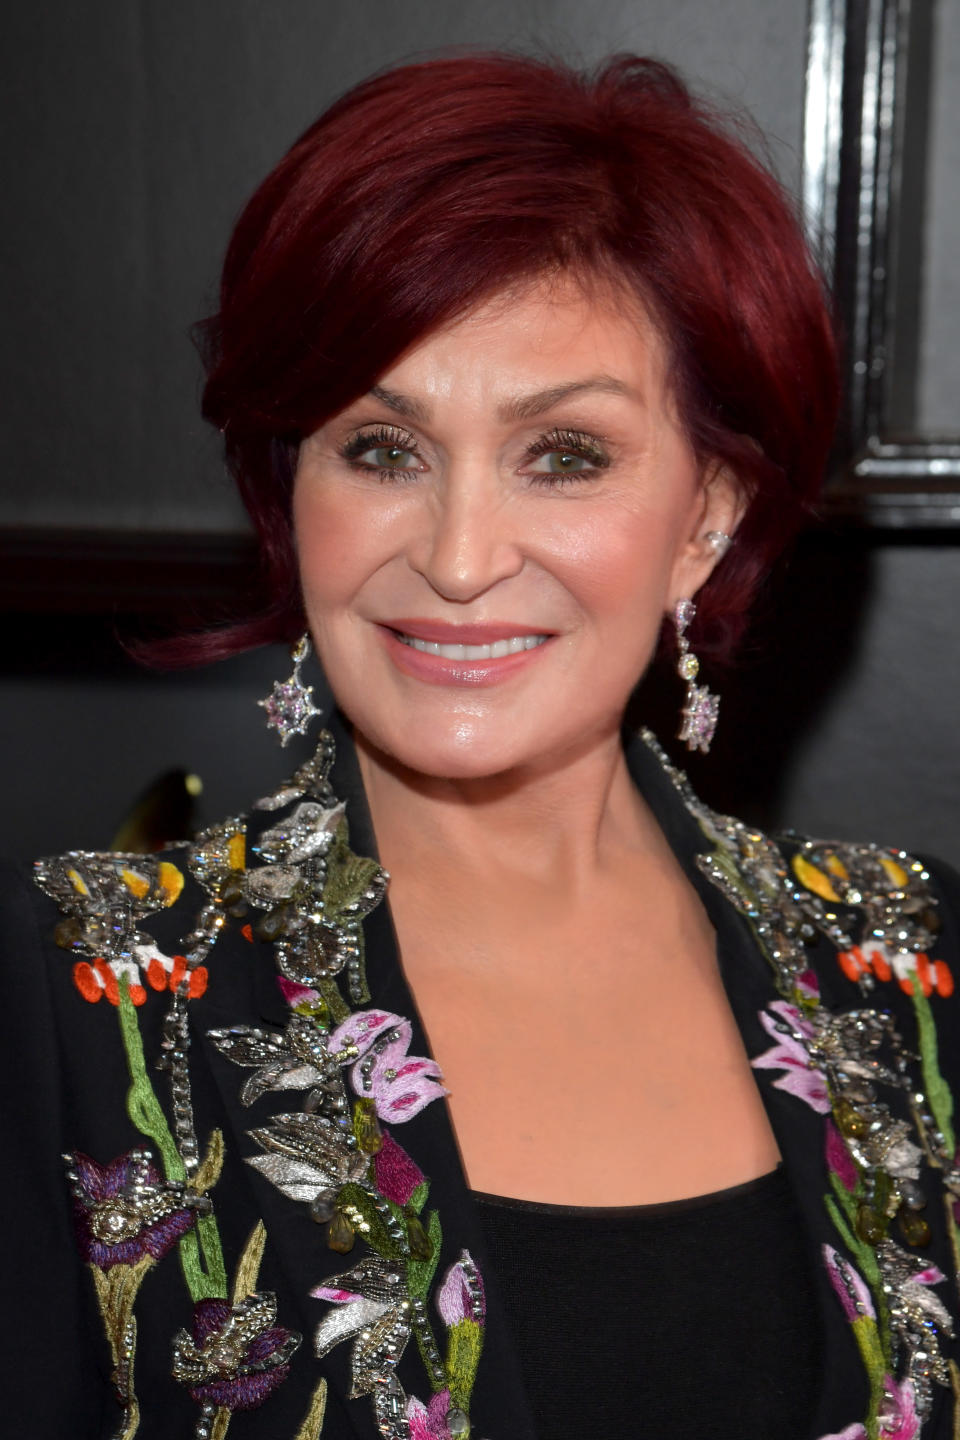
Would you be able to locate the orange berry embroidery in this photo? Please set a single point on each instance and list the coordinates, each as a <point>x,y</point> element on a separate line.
<point>86,981</point>
<point>99,979</point>
<point>198,982</point>
<point>156,975</point>
<point>931,975</point>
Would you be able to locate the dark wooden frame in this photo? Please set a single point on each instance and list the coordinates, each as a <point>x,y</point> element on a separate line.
<point>867,88</point>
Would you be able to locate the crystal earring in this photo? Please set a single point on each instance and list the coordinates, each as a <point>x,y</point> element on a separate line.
<point>700,706</point>
<point>290,706</point>
<point>719,541</point>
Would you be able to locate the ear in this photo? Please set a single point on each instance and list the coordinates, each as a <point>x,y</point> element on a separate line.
<point>719,508</point>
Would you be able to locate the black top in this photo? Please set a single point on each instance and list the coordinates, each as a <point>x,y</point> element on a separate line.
<point>656,1347</point>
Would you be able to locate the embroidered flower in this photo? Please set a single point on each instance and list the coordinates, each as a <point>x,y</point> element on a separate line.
<point>852,1289</point>
<point>123,1211</point>
<point>236,1355</point>
<point>886,962</point>
<point>375,1308</point>
<point>792,1033</point>
<point>916,1291</point>
<point>440,1420</point>
<point>103,978</point>
<point>102,898</point>
<point>399,1084</point>
<point>808,984</point>
<point>309,1158</point>
<point>296,1058</point>
<point>145,962</point>
<point>461,1296</point>
<point>897,1418</point>
<point>839,1160</point>
<point>397,1176</point>
<point>462,1306</point>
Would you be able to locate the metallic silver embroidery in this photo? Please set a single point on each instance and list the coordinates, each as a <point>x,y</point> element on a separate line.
<point>309,1158</point>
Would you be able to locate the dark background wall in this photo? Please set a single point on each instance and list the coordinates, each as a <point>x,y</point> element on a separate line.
<point>137,130</point>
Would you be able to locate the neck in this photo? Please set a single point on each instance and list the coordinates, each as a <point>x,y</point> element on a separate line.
<point>556,823</point>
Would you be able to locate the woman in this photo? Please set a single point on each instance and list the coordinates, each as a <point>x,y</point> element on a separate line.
<point>511,365</point>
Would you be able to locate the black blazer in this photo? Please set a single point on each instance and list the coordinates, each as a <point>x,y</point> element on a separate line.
<point>849,1095</point>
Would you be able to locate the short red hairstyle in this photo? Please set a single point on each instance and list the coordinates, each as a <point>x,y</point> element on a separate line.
<point>429,187</point>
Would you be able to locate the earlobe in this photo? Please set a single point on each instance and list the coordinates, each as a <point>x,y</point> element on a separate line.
<point>721,508</point>
<point>719,541</point>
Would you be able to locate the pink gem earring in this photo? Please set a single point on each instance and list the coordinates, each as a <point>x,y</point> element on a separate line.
<point>700,706</point>
<point>289,705</point>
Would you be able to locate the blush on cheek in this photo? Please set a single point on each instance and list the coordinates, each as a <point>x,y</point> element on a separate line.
<point>326,541</point>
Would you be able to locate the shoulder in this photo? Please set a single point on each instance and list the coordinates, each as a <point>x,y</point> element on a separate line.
<point>140,921</point>
<point>866,924</point>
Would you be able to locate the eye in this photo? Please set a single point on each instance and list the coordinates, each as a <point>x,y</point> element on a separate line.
<point>561,462</point>
<point>387,457</point>
<point>384,450</point>
<point>566,454</point>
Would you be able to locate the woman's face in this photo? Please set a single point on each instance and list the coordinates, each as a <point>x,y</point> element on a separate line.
<point>489,539</point>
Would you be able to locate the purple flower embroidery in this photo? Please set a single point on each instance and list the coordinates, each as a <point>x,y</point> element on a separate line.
<point>785,1024</point>
<point>400,1084</point>
<point>236,1355</point>
<point>123,1211</point>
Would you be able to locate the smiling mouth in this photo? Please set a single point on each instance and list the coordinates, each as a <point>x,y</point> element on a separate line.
<point>498,650</point>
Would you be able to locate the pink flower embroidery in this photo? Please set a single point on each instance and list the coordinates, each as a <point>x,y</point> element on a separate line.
<point>429,1422</point>
<point>461,1296</point>
<point>852,1289</point>
<point>808,984</point>
<point>898,1419</point>
<point>839,1159</point>
<point>396,1174</point>
<point>784,1023</point>
<point>400,1084</point>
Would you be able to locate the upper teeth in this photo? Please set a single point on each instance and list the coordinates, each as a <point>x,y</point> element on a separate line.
<point>496,651</point>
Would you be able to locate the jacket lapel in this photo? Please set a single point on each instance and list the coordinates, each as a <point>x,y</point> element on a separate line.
<point>500,1407</point>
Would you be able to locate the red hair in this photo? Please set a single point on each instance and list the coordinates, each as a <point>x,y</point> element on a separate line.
<point>428,188</point>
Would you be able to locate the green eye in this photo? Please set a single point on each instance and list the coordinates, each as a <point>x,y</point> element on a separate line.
<point>565,462</point>
<point>390,457</point>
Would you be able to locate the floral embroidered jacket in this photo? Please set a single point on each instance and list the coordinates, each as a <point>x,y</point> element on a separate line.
<point>232,1197</point>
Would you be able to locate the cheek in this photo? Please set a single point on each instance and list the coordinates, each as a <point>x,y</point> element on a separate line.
<point>619,563</point>
<point>336,546</point>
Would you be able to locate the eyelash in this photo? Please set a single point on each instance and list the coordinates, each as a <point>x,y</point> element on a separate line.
<point>380,437</point>
<point>570,442</point>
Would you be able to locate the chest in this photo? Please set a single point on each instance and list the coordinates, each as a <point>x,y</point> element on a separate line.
<point>590,1060</point>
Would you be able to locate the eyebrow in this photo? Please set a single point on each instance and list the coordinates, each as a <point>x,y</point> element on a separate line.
<point>521,407</point>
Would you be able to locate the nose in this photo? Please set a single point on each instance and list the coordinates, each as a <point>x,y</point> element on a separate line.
<point>467,538</point>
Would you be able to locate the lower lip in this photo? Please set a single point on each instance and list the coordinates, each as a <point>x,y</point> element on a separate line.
<point>438,670</point>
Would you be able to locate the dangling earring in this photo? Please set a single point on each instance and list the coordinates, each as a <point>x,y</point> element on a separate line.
<point>700,706</point>
<point>290,706</point>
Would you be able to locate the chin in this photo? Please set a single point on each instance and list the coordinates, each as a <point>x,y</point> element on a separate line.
<point>462,749</point>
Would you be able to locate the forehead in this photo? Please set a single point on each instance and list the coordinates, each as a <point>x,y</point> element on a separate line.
<point>553,333</point>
